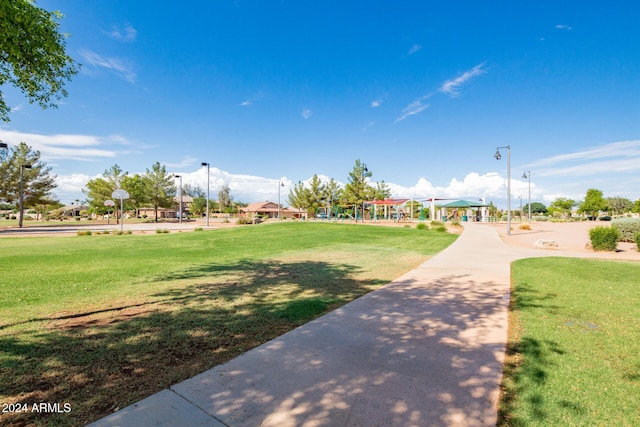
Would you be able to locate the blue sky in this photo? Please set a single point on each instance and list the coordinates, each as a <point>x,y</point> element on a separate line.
<point>421,91</point>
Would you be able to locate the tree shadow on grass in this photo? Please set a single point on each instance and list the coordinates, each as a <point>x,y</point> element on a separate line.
<point>527,361</point>
<point>101,361</point>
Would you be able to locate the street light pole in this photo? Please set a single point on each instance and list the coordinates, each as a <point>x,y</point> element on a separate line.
<point>22,168</point>
<point>498,157</point>
<point>364,170</point>
<point>180,198</point>
<point>280,184</point>
<point>207,165</point>
<point>527,175</point>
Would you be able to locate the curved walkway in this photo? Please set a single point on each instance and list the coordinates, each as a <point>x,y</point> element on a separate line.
<point>425,350</point>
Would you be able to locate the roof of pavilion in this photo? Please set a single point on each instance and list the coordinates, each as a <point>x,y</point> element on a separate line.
<point>464,204</point>
<point>388,202</point>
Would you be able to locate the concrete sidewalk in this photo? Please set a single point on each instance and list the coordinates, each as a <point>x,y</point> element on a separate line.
<point>425,350</point>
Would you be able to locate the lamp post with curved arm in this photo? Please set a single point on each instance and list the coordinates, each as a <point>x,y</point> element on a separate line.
<point>207,165</point>
<point>498,157</point>
<point>179,198</point>
<point>364,187</point>
<point>22,168</point>
<point>280,184</point>
<point>527,175</point>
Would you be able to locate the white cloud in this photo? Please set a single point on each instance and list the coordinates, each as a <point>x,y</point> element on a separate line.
<point>115,65</point>
<point>623,156</point>
<point>414,49</point>
<point>376,103</point>
<point>452,87</point>
<point>307,113</point>
<point>370,124</point>
<point>614,149</point>
<point>125,33</point>
<point>244,188</point>
<point>563,27</point>
<point>473,185</point>
<point>186,162</point>
<point>72,184</point>
<point>246,103</point>
<point>68,147</point>
<point>415,107</point>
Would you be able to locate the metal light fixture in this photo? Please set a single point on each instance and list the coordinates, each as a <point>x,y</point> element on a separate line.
<point>180,198</point>
<point>280,184</point>
<point>207,165</point>
<point>527,175</point>
<point>364,171</point>
<point>22,168</point>
<point>498,156</point>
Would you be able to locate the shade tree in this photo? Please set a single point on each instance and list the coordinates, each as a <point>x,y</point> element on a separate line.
<point>37,180</point>
<point>160,188</point>
<point>33,54</point>
<point>619,205</point>
<point>593,203</point>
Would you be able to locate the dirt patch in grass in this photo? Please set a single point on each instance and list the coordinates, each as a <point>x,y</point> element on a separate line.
<point>108,317</point>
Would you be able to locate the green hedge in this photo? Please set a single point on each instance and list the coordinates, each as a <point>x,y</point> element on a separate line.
<point>638,241</point>
<point>628,228</point>
<point>604,238</point>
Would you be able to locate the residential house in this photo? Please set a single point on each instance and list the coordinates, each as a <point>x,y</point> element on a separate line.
<point>268,209</point>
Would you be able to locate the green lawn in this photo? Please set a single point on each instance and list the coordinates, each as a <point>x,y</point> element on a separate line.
<point>574,344</point>
<point>102,321</point>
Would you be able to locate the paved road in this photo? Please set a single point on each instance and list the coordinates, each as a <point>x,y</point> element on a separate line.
<point>425,350</point>
<point>72,229</point>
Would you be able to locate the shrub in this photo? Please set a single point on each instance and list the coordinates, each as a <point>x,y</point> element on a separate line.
<point>161,231</point>
<point>604,238</point>
<point>198,229</point>
<point>525,227</point>
<point>244,220</point>
<point>441,228</point>
<point>455,223</point>
<point>436,223</point>
<point>541,218</point>
<point>422,226</point>
<point>628,228</point>
<point>604,218</point>
<point>84,233</point>
<point>638,240</point>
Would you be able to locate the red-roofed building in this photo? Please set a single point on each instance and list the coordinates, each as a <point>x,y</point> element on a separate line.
<point>269,209</point>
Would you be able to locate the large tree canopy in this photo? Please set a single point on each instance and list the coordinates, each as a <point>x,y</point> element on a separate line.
<point>32,54</point>
<point>593,203</point>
